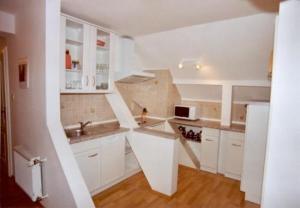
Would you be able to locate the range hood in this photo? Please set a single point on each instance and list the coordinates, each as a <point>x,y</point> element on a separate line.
<point>127,72</point>
<point>136,77</point>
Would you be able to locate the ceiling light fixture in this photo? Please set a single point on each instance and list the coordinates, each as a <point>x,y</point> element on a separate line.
<point>180,65</point>
<point>198,66</point>
<point>191,61</point>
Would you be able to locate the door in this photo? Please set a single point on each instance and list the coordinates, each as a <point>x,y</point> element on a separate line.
<point>74,56</point>
<point>100,56</point>
<point>209,153</point>
<point>89,164</point>
<point>234,157</point>
<point>3,123</point>
<point>113,158</point>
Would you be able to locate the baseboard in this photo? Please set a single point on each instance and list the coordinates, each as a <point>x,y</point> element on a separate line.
<point>207,169</point>
<point>252,198</point>
<point>232,176</point>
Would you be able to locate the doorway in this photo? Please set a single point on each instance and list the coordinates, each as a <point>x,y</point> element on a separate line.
<point>5,127</point>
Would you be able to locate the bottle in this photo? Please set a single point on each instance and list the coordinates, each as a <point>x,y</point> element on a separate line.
<point>68,60</point>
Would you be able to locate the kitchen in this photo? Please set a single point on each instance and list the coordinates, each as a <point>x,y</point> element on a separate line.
<point>109,121</point>
<point>151,104</point>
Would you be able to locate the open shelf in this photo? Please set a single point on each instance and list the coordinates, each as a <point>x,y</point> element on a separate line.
<point>74,42</point>
<point>74,70</point>
<point>102,48</point>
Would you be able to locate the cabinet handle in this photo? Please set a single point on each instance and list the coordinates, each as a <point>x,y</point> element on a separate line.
<point>236,145</point>
<point>209,140</point>
<point>94,81</point>
<point>87,81</point>
<point>93,155</point>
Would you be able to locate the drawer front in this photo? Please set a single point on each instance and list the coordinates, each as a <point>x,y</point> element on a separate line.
<point>84,146</point>
<point>211,132</point>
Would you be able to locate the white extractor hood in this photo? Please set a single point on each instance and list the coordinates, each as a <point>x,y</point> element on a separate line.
<point>127,72</point>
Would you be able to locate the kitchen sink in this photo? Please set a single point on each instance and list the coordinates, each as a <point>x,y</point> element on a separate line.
<point>71,133</point>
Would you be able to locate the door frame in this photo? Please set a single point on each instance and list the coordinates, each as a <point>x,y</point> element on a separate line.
<point>8,112</point>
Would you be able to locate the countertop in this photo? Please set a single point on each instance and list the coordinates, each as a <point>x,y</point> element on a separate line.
<point>150,122</point>
<point>98,131</point>
<point>209,124</point>
<point>158,133</point>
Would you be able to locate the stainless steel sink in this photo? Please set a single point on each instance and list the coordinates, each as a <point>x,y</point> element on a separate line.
<point>71,133</point>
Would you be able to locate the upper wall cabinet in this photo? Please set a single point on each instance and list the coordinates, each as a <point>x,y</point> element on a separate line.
<point>86,54</point>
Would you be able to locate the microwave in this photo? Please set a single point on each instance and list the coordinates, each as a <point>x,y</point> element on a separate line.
<point>186,112</point>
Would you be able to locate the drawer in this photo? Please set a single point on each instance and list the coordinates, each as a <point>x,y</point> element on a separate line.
<point>211,132</point>
<point>84,146</point>
<point>233,135</point>
<point>236,142</point>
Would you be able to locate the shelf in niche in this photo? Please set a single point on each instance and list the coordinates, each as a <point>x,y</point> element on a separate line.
<point>102,48</point>
<point>74,70</point>
<point>73,42</point>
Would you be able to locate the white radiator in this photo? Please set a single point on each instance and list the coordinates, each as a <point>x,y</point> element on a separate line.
<point>28,173</point>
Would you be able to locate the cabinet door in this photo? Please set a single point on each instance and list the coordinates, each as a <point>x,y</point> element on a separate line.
<point>209,153</point>
<point>234,157</point>
<point>100,49</point>
<point>113,158</point>
<point>89,164</point>
<point>74,69</point>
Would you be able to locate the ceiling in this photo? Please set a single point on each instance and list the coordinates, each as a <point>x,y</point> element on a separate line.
<point>141,17</point>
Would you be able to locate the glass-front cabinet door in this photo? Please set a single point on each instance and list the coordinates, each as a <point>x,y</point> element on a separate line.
<point>74,39</point>
<point>100,60</point>
<point>85,57</point>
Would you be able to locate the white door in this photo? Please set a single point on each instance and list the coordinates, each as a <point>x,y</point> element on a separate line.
<point>89,164</point>
<point>113,158</point>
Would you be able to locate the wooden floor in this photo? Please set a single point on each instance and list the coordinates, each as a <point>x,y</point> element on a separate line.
<point>196,189</point>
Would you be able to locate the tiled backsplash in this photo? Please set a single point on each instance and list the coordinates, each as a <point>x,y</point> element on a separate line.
<point>158,95</point>
<point>88,107</point>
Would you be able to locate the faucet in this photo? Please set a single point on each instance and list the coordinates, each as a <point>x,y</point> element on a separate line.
<point>82,124</point>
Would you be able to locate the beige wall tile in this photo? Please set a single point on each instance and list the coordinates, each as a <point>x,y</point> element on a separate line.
<point>239,112</point>
<point>158,95</point>
<point>87,107</point>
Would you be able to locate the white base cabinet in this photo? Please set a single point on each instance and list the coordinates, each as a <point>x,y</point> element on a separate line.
<point>209,150</point>
<point>233,154</point>
<point>89,163</point>
<point>102,161</point>
<point>113,158</point>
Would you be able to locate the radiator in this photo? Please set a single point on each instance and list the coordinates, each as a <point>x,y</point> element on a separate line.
<point>28,173</point>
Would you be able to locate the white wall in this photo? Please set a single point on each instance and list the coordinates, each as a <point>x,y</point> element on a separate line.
<point>30,124</point>
<point>229,50</point>
<point>7,22</point>
<point>281,186</point>
<point>235,49</point>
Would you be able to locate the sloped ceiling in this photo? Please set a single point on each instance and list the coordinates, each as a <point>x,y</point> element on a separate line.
<point>235,49</point>
<point>140,17</point>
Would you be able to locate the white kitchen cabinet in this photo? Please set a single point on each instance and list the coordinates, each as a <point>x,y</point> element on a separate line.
<point>113,158</point>
<point>89,164</point>
<point>233,154</point>
<point>101,161</point>
<point>209,150</point>
<point>92,51</point>
<point>256,136</point>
